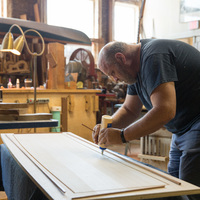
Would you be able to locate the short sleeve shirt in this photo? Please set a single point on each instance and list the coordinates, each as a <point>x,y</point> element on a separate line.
<point>164,61</point>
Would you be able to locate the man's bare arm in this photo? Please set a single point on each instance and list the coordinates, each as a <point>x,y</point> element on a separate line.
<point>124,116</point>
<point>163,99</point>
<point>128,113</point>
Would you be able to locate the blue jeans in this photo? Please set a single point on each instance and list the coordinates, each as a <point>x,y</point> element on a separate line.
<point>184,157</point>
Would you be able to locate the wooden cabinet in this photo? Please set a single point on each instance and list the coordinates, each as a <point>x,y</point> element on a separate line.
<point>78,107</point>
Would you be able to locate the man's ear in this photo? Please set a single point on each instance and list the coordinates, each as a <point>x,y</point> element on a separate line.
<point>120,58</point>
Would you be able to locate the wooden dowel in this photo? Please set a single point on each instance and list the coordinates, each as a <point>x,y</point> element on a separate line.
<point>88,127</point>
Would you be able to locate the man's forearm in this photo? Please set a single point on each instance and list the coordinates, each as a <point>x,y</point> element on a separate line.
<point>151,122</point>
<point>123,118</point>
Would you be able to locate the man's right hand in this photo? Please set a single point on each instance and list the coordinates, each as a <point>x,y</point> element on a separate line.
<point>95,133</point>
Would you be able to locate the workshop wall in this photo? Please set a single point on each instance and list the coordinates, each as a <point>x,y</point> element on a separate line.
<point>21,7</point>
<point>161,20</point>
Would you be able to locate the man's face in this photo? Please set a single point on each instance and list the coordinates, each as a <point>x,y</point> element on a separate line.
<point>118,73</point>
<point>124,74</point>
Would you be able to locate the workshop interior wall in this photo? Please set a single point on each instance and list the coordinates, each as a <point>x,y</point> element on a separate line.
<point>161,20</point>
<point>15,8</point>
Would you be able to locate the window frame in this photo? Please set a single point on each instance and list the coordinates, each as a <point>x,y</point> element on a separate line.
<point>3,6</point>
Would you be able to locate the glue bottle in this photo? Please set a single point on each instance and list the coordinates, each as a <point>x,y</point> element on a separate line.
<point>17,83</point>
<point>106,122</point>
<point>9,83</point>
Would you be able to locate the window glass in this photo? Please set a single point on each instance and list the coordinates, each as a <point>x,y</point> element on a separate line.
<point>75,14</point>
<point>125,22</point>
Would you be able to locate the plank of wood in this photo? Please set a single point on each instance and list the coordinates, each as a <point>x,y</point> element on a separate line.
<point>51,60</point>
<point>13,105</point>
<point>38,164</point>
<point>56,73</point>
<point>151,157</point>
<point>36,12</point>
<point>3,196</point>
<point>26,117</point>
<point>84,172</point>
<point>9,112</point>
<point>24,17</point>
<point>154,171</point>
<point>75,176</point>
<point>95,103</point>
<point>64,114</point>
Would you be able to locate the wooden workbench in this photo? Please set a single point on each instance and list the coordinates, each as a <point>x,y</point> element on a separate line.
<point>79,106</point>
<point>65,166</point>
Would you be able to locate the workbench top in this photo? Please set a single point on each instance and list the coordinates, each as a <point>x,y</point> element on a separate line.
<point>65,166</point>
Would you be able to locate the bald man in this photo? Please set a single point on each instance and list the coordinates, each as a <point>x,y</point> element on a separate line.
<point>164,76</point>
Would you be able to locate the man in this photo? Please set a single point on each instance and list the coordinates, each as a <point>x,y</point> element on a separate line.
<point>164,76</point>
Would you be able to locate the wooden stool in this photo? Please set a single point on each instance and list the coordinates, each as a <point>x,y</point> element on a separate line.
<point>3,195</point>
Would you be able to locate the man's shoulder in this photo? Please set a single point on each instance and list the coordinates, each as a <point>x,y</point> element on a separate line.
<point>158,41</point>
<point>160,46</point>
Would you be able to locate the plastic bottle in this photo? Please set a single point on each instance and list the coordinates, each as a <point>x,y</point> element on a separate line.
<point>17,83</point>
<point>9,83</point>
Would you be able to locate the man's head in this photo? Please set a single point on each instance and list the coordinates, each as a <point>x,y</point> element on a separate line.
<point>115,60</point>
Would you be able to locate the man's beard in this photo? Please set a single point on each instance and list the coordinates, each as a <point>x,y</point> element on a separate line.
<point>126,76</point>
<point>129,79</point>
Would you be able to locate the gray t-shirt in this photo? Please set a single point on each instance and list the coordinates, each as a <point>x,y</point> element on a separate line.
<point>164,61</point>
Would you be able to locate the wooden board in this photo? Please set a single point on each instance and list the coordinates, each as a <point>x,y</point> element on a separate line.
<point>26,117</point>
<point>13,105</point>
<point>27,124</point>
<point>66,166</point>
<point>56,72</point>
<point>9,112</point>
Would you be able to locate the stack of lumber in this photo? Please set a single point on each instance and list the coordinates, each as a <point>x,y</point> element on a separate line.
<point>15,112</point>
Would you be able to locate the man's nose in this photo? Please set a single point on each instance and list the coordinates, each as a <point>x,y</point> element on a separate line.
<point>116,79</point>
<point>113,79</point>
